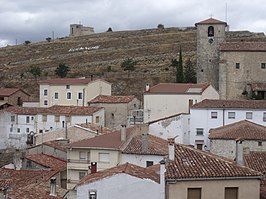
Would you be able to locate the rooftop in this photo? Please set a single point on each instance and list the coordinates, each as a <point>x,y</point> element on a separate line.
<point>256,161</point>
<point>210,21</point>
<point>243,46</point>
<point>112,99</point>
<point>243,129</point>
<point>66,81</point>
<point>9,91</point>
<point>238,104</point>
<point>126,168</point>
<point>176,88</point>
<point>191,163</point>
<point>258,86</point>
<point>96,128</point>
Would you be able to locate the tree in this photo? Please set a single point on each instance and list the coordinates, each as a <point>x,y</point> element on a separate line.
<point>109,29</point>
<point>27,42</point>
<point>48,39</point>
<point>179,68</point>
<point>160,26</point>
<point>35,71</point>
<point>129,65</point>
<point>189,72</point>
<point>62,70</point>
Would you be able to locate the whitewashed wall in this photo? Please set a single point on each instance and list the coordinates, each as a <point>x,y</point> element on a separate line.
<point>140,160</point>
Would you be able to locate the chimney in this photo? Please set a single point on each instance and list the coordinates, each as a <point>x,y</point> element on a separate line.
<point>190,103</point>
<point>239,152</point>
<point>147,89</point>
<point>171,148</point>
<point>144,142</point>
<point>53,186</point>
<point>93,167</point>
<point>123,133</point>
<point>162,179</point>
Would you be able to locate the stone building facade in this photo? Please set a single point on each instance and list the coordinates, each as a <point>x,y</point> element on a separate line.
<point>80,30</point>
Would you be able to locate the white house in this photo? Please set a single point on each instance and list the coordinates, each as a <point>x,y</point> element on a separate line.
<point>124,181</point>
<point>216,113</point>
<point>175,126</point>
<point>165,99</point>
<point>71,91</point>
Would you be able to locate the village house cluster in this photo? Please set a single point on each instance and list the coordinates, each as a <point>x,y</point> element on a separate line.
<point>181,141</point>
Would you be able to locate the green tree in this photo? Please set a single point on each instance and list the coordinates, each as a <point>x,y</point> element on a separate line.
<point>35,71</point>
<point>27,42</point>
<point>129,64</point>
<point>109,29</point>
<point>189,72</point>
<point>179,69</point>
<point>48,39</point>
<point>62,70</point>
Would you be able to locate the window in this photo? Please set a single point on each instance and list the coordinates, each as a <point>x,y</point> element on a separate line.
<point>45,102</point>
<point>27,130</point>
<point>56,95</point>
<point>263,65</point>
<point>13,118</point>
<point>68,95</point>
<point>237,65</point>
<point>45,92</point>
<point>112,115</point>
<point>92,195</point>
<point>199,146</point>
<point>231,193</point>
<point>104,157</point>
<point>194,193</point>
<point>249,115</point>
<point>56,118</point>
<point>214,115</point>
<point>80,95</point>
<point>231,115</point>
<point>44,118</point>
<point>264,117</point>
<point>210,31</point>
<point>82,174</point>
<point>40,131</point>
<point>32,118</point>
<point>199,131</point>
<point>97,119</point>
<point>149,163</point>
<point>27,119</point>
<point>82,155</point>
<point>67,86</point>
<point>68,118</point>
<point>18,130</point>
<point>259,143</point>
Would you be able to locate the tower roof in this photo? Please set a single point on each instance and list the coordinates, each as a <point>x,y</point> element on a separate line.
<point>210,21</point>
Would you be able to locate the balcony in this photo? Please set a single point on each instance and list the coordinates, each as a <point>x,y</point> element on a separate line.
<point>136,117</point>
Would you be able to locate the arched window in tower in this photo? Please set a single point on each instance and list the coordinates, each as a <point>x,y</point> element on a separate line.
<point>210,31</point>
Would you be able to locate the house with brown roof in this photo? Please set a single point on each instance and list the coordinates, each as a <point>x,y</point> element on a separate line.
<point>124,181</point>
<point>118,109</point>
<point>71,91</point>
<point>223,140</point>
<point>209,114</point>
<point>165,99</point>
<point>13,96</point>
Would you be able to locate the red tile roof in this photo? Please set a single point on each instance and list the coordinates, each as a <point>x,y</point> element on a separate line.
<point>57,145</point>
<point>243,46</point>
<point>195,164</point>
<point>66,81</point>
<point>256,161</point>
<point>210,21</point>
<point>246,104</point>
<point>176,88</point>
<point>243,129</point>
<point>96,128</point>
<point>112,99</point>
<point>48,161</point>
<point>23,110</point>
<point>258,86</point>
<point>156,146</point>
<point>126,168</point>
<point>8,91</point>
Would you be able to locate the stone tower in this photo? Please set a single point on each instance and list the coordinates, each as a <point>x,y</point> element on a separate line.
<point>210,34</point>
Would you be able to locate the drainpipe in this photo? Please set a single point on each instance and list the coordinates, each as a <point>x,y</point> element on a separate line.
<point>162,179</point>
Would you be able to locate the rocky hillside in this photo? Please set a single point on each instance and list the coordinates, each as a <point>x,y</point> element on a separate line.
<point>101,55</point>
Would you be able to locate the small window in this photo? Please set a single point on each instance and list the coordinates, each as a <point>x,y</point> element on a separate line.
<point>28,119</point>
<point>194,193</point>
<point>97,119</point>
<point>210,31</point>
<point>249,115</point>
<point>199,131</point>
<point>92,195</point>
<point>56,95</point>
<point>45,102</point>
<point>44,118</point>
<point>259,143</point>
<point>56,118</point>
<point>237,65</point>
<point>214,115</point>
<point>68,95</point>
<point>149,163</point>
<point>104,157</point>
<point>264,117</point>
<point>45,92</point>
<point>82,174</point>
<point>231,115</point>
<point>67,86</point>
<point>82,155</point>
<point>80,95</point>
<point>27,130</point>
<point>11,129</point>
<point>13,118</point>
<point>18,130</point>
<point>40,131</point>
<point>32,118</point>
<point>112,115</point>
<point>263,65</point>
<point>199,146</point>
<point>231,193</point>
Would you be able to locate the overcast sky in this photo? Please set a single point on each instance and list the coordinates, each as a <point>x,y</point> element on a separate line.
<point>35,20</point>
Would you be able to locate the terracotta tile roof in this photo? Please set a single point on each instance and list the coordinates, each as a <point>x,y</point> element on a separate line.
<point>258,86</point>
<point>48,161</point>
<point>238,104</point>
<point>210,21</point>
<point>243,129</point>
<point>126,168</point>
<point>112,99</point>
<point>8,91</point>
<point>67,81</point>
<point>176,88</point>
<point>96,128</point>
<point>195,164</point>
<point>156,146</point>
<point>256,161</point>
<point>5,183</point>
<point>105,141</point>
<point>243,46</point>
<point>23,110</point>
<point>57,145</point>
